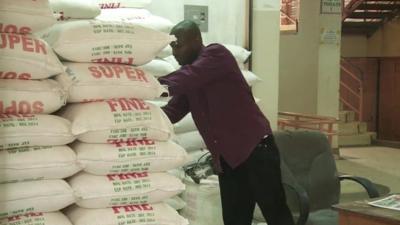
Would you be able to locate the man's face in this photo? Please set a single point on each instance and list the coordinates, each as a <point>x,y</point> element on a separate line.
<point>183,50</point>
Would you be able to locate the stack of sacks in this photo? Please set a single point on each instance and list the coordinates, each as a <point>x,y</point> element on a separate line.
<point>74,9</point>
<point>132,12</point>
<point>123,141</point>
<point>113,4</point>
<point>34,157</point>
<point>203,202</point>
<point>31,176</point>
<point>135,15</point>
<point>106,42</point>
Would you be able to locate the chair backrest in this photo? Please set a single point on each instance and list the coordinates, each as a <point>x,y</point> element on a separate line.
<point>308,156</point>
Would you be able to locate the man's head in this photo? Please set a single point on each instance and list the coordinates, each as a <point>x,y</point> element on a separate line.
<point>188,42</point>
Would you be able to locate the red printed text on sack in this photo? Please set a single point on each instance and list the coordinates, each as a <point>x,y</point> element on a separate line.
<point>127,104</point>
<point>19,217</point>
<point>25,43</point>
<point>110,5</point>
<point>126,176</point>
<point>131,142</point>
<point>15,76</point>
<point>117,60</point>
<point>11,28</point>
<point>131,208</point>
<point>21,107</point>
<point>117,71</point>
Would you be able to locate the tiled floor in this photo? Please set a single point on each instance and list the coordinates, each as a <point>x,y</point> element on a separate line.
<point>379,164</point>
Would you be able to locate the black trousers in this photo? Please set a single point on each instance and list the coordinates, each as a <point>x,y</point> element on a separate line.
<point>257,180</point>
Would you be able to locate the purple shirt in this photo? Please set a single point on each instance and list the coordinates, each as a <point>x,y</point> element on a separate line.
<point>214,90</point>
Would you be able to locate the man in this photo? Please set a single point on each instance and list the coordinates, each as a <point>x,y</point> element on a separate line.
<point>210,86</point>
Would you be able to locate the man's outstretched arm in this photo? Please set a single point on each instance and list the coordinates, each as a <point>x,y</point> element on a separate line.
<point>209,66</point>
<point>176,108</point>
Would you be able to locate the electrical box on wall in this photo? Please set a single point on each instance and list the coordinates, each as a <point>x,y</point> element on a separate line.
<point>198,14</point>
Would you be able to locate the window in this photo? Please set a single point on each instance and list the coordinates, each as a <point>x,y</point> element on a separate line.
<point>290,16</point>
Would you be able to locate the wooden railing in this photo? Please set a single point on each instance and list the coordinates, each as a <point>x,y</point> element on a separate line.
<point>297,121</point>
<point>349,79</point>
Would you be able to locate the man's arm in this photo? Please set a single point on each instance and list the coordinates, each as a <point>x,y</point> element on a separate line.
<point>209,66</point>
<point>176,108</point>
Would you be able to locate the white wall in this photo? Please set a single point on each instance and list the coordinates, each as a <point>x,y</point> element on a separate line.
<point>266,56</point>
<point>226,17</point>
<point>309,68</point>
<point>329,68</point>
<point>298,84</point>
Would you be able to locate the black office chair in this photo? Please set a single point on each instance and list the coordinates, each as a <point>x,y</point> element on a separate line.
<point>311,178</point>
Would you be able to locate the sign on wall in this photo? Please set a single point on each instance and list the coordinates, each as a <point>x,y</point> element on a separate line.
<point>330,36</point>
<point>331,6</point>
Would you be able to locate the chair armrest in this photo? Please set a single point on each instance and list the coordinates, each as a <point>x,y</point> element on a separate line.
<point>304,202</point>
<point>367,184</point>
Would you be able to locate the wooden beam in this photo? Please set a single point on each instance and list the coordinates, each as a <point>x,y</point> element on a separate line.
<point>369,15</point>
<point>379,6</point>
<point>368,31</point>
<point>362,24</point>
<point>353,5</point>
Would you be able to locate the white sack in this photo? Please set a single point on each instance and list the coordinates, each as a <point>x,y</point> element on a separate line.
<point>118,120</point>
<point>106,42</point>
<point>124,189</point>
<point>112,4</point>
<point>33,130</point>
<point>87,82</point>
<point>241,54</point>
<point>136,16</point>
<point>160,102</point>
<point>175,202</point>
<point>31,96</point>
<point>250,77</point>
<point>196,155</point>
<point>158,67</point>
<point>203,204</point>
<point>25,16</point>
<point>167,51</point>
<point>34,196</point>
<point>25,57</point>
<point>74,9</point>
<point>51,218</point>
<point>191,141</point>
<point>144,214</point>
<point>34,163</point>
<point>185,125</point>
<point>128,157</point>
<point>171,60</point>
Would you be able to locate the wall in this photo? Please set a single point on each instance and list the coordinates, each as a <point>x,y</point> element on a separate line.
<point>266,56</point>
<point>309,65</point>
<point>226,24</point>
<point>298,80</point>
<point>329,67</point>
<point>385,41</point>
<point>309,69</point>
<point>354,46</point>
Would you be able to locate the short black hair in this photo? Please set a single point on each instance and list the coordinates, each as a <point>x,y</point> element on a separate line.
<point>188,28</point>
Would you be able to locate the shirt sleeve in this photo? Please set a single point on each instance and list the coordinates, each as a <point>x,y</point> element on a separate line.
<point>212,64</point>
<point>176,108</point>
